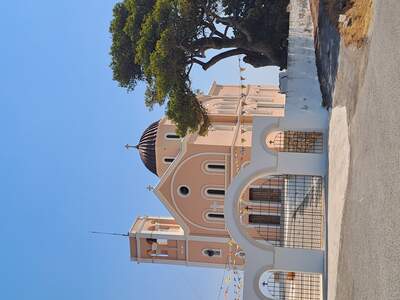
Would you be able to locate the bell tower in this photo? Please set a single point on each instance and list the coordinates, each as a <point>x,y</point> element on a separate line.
<point>162,240</point>
<point>154,239</point>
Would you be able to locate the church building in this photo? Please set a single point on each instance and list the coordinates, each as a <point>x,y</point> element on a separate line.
<point>251,194</point>
<point>194,174</point>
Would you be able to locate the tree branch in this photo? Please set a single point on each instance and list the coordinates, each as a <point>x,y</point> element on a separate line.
<point>221,56</point>
<point>228,21</point>
<point>226,29</point>
<point>204,44</point>
<point>197,61</point>
<point>213,30</point>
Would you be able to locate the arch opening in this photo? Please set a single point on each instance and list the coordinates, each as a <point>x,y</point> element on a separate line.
<point>279,285</point>
<point>283,210</point>
<point>295,141</point>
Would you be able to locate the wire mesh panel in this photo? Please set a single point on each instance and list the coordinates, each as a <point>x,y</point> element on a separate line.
<point>291,286</point>
<point>285,210</point>
<point>297,141</point>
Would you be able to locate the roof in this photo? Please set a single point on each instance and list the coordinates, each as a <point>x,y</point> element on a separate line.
<point>147,147</point>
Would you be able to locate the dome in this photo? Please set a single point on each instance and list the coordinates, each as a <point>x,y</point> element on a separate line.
<point>147,147</point>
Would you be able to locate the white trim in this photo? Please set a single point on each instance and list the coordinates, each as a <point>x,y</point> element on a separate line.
<point>214,265</point>
<point>172,235</point>
<point>187,250</point>
<point>267,186</point>
<point>139,231</point>
<point>222,105</point>
<point>131,233</point>
<point>226,178</point>
<point>225,111</point>
<point>212,88</point>
<point>176,214</point>
<point>263,225</point>
<point>259,203</point>
<point>185,263</point>
<point>206,170</point>
<point>230,99</point>
<point>212,239</point>
<point>158,218</point>
<point>138,252</point>
<point>245,163</point>
<point>158,255</point>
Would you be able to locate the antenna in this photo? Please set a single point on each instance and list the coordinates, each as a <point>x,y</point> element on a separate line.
<point>109,233</point>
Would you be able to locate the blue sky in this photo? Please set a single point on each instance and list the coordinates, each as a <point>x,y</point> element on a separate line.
<point>64,170</point>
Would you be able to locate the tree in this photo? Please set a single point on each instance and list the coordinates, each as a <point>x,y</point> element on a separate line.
<point>159,41</point>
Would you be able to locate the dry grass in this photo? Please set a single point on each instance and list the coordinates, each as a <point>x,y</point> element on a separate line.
<point>314,6</point>
<point>354,29</point>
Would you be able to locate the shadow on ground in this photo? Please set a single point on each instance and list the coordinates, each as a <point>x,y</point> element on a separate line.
<point>327,46</point>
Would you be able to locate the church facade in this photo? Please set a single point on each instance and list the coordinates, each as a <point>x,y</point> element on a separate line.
<point>195,173</point>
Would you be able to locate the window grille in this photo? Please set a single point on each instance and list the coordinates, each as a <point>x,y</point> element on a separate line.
<point>297,141</point>
<point>264,219</point>
<point>292,286</point>
<point>265,194</point>
<point>286,210</point>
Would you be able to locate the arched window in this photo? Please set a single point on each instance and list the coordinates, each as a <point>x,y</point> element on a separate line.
<point>215,216</point>
<point>215,167</point>
<point>151,241</point>
<point>172,136</point>
<point>215,192</point>
<point>212,252</point>
<point>168,160</point>
<point>295,141</point>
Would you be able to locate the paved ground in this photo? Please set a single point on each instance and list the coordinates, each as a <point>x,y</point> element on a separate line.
<point>368,85</point>
<point>339,152</point>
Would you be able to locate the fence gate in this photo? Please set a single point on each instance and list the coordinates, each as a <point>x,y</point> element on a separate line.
<point>291,286</point>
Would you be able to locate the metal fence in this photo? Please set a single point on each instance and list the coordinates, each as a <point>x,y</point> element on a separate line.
<point>286,210</point>
<point>298,141</point>
<point>292,286</point>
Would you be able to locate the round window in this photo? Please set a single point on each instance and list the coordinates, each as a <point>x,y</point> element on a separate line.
<point>184,190</point>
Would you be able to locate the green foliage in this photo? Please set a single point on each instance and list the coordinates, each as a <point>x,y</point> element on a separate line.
<point>186,111</point>
<point>158,41</point>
